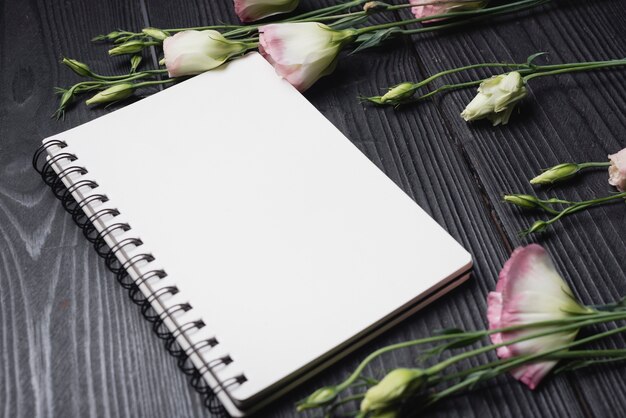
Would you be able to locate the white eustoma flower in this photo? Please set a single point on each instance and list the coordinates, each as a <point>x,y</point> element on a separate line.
<point>302,52</point>
<point>193,52</point>
<point>529,290</point>
<point>617,170</point>
<point>496,99</point>
<point>251,10</point>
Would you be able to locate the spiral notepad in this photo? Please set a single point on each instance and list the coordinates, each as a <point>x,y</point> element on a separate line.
<point>257,239</point>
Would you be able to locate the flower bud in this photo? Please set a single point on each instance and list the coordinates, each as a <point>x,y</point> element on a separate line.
<point>130,47</point>
<point>556,173</point>
<point>155,33</point>
<point>394,386</point>
<point>112,94</point>
<point>78,67</point>
<point>523,200</point>
<point>193,52</point>
<point>135,61</point>
<point>398,93</point>
<point>496,99</point>
<point>375,6</point>
<point>538,226</point>
<point>251,10</point>
<point>320,397</point>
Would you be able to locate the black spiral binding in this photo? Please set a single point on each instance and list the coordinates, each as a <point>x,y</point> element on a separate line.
<point>44,167</point>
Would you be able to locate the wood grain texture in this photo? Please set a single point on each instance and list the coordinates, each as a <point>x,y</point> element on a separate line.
<point>72,344</point>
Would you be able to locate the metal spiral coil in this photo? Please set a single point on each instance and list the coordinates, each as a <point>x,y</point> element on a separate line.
<point>44,164</point>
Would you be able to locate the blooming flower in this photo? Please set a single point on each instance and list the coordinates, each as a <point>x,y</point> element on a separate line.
<point>529,289</point>
<point>192,52</point>
<point>251,10</point>
<point>395,385</point>
<point>302,52</point>
<point>617,170</point>
<point>496,98</point>
<point>425,8</point>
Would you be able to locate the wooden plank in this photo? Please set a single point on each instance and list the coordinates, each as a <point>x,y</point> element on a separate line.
<point>71,343</point>
<point>569,118</point>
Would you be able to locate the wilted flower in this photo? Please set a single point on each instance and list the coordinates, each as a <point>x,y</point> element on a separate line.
<point>529,289</point>
<point>251,10</point>
<point>112,94</point>
<point>556,173</point>
<point>617,170</point>
<point>425,8</point>
<point>193,52</point>
<point>302,52</point>
<point>395,385</point>
<point>496,98</point>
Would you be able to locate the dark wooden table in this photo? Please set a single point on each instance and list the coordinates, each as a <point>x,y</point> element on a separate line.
<point>72,344</point>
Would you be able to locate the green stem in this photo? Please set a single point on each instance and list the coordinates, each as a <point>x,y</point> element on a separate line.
<point>434,370</point>
<point>506,8</point>
<point>579,206</point>
<point>518,361</point>
<point>146,73</point>
<point>590,165</point>
<point>156,82</point>
<point>600,316</point>
<point>581,67</point>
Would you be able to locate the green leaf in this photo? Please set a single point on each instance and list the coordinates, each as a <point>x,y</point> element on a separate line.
<point>373,39</point>
<point>348,22</point>
<point>531,58</point>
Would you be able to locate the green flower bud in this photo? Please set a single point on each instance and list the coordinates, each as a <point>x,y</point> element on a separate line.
<point>557,173</point>
<point>394,386</point>
<point>135,61</point>
<point>320,397</point>
<point>130,47</point>
<point>538,226</point>
<point>398,93</point>
<point>155,33</point>
<point>523,200</point>
<point>112,94</point>
<point>78,67</point>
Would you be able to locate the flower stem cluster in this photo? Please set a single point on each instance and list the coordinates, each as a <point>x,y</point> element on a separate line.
<point>560,208</point>
<point>497,96</point>
<point>529,344</point>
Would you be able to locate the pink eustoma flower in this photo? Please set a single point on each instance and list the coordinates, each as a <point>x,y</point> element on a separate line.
<point>529,289</point>
<point>617,170</point>
<point>426,8</point>
<point>303,52</point>
<point>251,10</point>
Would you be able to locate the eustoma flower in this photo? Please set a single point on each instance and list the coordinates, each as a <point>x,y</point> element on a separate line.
<point>193,52</point>
<point>251,10</point>
<point>304,52</point>
<point>529,289</point>
<point>496,99</point>
<point>617,170</point>
<point>425,8</point>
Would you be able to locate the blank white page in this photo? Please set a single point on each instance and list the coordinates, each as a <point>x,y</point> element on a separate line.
<point>282,235</point>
